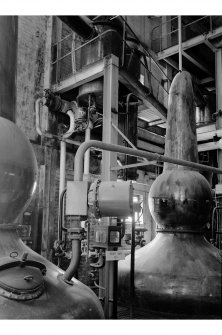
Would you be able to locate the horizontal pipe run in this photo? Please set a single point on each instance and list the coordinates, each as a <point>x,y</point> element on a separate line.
<point>128,166</point>
<point>79,158</point>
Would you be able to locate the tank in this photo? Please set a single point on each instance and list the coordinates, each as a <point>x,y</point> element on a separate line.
<point>178,274</point>
<point>30,286</point>
<point>94,88</point>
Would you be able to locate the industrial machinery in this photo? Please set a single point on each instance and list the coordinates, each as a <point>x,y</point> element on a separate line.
<point>31,287</point>
<point>179,199</point>
<point>178,274</point>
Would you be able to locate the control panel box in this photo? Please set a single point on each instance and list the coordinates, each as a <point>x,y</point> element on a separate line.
<point>105,236</point>
<point>76,198</point>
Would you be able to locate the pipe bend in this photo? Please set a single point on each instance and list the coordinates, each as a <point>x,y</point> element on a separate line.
<point>38,101</point>
<point>70,131</point>
<point>78,172</point>
<point>75,260</point>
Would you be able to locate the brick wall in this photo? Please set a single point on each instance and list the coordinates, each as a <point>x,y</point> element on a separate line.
<point>30,70</point>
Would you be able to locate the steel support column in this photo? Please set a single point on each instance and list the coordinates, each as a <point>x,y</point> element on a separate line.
<point>218,76</point>
<point>110,108</point>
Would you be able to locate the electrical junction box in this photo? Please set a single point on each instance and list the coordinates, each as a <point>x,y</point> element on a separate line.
<point>76,198</point>
<point>105,236</point>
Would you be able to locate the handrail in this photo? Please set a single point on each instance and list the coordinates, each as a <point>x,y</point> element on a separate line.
<point>183,27</point>
<point>147,54</point>
<point>164,35</point>
<point>161,24</point>
<point>83,45</point>
<point>146,51</point>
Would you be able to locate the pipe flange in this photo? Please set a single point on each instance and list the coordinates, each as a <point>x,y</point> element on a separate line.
<point>23,295</point>
<point>179,231</point>
<point>20,278</point>
<point>76,234</point>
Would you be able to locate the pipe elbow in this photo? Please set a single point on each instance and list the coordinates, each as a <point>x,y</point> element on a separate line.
<point>75,260</point>
<point>38,101</point>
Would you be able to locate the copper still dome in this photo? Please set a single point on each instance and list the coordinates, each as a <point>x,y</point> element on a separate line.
<point>30,286</point>
<point>178,274</point>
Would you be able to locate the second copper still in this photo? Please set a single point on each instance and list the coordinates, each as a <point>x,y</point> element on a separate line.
<point>178,274</point>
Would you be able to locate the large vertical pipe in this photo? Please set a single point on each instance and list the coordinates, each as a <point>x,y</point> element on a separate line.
<point>8,66</point>
<point>62,179</point>
<point>87,154</point>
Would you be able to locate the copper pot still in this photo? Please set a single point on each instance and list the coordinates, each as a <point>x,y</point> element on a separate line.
<point>178,274</point>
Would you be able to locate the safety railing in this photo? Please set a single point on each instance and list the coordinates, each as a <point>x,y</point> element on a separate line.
<point>70,56</point>
<point>165,34</point>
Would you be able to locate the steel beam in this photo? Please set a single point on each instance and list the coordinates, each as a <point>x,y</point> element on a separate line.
<point>150,136</point>
<point>210,45</point>
<point>88,73</point>
<point>189,43</point>
<point>206,80</point>
<point>149,147</point>
<point>148,99</point>
<point>197,63</point>
<point>172,63</point>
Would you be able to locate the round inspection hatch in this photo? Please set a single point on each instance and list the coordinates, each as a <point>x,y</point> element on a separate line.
<point>21,282</point>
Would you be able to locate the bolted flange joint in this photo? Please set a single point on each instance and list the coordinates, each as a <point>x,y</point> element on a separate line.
<point>76,233</point>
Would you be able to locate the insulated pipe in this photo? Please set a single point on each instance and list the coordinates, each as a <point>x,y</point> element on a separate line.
<point>78,173</point>
<point>87,154</point>
<point>80,25</point>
